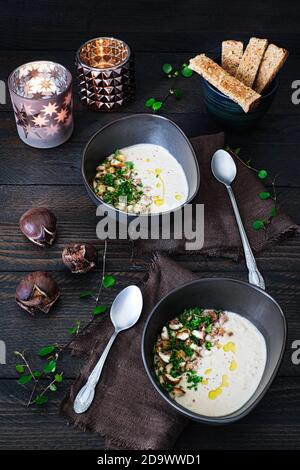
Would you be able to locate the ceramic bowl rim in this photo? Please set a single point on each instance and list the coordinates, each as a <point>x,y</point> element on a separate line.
<point>140,116</point>
<point>226,419</point>
<point>275,84</point>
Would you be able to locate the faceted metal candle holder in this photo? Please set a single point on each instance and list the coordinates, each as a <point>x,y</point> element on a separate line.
<point>106,73</point>
<point>42,100</point>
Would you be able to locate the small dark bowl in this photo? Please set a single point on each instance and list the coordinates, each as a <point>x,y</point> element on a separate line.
<point>138,129</point>
<point>228,294</point>
<point>229,114</point>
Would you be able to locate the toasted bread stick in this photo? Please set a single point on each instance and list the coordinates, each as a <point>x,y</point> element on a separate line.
<point>232,52</point>
<point>250,62</point>
<point>272,61</point>
<point>219,78</point>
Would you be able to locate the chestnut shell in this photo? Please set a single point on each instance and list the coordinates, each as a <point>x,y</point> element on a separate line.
<point>37,291</point>
<point>79,257</point>
<point>39,225</point>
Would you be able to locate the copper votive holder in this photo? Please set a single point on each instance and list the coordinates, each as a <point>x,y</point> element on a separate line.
<point>42,100</point>
<point>105,70</point>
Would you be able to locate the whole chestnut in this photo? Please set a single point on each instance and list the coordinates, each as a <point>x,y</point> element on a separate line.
<point>79,257</point>
<point>37,291</point>
<point>39,225</point>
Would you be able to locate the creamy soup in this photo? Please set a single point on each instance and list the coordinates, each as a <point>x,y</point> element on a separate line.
<point>152,180</point>
<point>226,365</point>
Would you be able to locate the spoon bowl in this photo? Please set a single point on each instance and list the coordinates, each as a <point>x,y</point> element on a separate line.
<point>126,308</point>
<point>223,167</point>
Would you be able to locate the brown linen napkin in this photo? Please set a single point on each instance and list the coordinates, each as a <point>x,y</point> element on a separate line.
<point>221,236</point>
<point>127,410</point>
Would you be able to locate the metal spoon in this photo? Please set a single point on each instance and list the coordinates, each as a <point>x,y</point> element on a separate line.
<point>125,312</point>
<point>224,170</point>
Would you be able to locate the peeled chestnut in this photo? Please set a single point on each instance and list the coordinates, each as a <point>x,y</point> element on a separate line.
<point>79,257</point>
<point>39,225</point>
<point>37,291</point>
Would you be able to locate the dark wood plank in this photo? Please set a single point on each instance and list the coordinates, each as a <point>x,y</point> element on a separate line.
<point>17,253</point>
<point>53,328</point>
<point>37,428</point>
<point>273,145</point>
<point>274,424</point>
<point>163,26</point>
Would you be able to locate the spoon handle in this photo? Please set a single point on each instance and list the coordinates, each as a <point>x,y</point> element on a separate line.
<point>254,275</point>
<point>86,394</point>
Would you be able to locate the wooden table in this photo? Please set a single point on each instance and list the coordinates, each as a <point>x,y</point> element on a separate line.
<point>158,32</point>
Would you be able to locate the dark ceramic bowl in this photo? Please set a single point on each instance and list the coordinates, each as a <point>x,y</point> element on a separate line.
<point>229,114</point>
<point>228,294</point>
<point>138,129</point>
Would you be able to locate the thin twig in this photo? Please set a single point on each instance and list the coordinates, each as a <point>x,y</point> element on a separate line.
<point>103,271</point>
<point>30,402</point>
<point>26,364</point>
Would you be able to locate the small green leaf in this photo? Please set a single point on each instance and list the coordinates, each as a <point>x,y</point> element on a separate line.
<point>258,224</point>
<point>74,329</point>
<point>58,378</point>
<point>177,94</point>
<point>46,350</point>
<point>157,105</point>
<point>41,400</point>
<point>37,374</point>
<point>99,309</point>
<point>262,174</point>
<point>20,368</point>
<point>150,102</point>
<point>108,281</point>
<point>129,165</point>
<point>237,150</point>
<point>50,367</point>
<point>85,294</point>
<point>186,72</point>
<point>273,212</point>
<point>53,388</point>
<point>209,327</point>
<point>167,68</point>
<point>264,195</point>
<point>24,379</point>
<point>117,153</point>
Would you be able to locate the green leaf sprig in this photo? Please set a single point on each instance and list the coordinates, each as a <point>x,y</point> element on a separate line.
<point>28,375</point>
<point>155,104</point>
<point>262,174</point>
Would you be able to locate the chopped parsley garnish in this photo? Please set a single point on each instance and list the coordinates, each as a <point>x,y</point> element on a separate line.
<point>129,165</point>
<point>167,386</point>
<point>208,345</point>
<point>193,379</point>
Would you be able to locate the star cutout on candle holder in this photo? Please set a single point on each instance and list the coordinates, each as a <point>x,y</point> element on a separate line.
<point>69,120</point>
<point>49,109</point>
<point>46,85</point>
<point>21,116</point>
<point>68,99</point>
<point>62,115</point>
<point>27,88</point>
<point>33,73</point>
<point>40,120</point>
<point>29,109</point>
<point>38,95</point>
<point>55,74</point>
<point>52,129</point>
